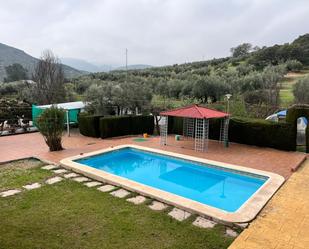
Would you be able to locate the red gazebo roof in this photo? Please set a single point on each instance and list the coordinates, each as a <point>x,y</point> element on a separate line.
<point>195,111</point>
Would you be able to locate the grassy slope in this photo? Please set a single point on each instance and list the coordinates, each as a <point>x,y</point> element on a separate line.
<point>70,215</point>
<point>286,91</point>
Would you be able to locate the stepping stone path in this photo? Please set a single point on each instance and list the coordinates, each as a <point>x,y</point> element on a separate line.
<point>81,179</point>
<point>32,186</point>
<point>204,223</point>
<point>70,175</point>
<point>179,214</point>
<point>106,188</point>
<point>54,180</point>
<point>137,199</point>
<point>10,192</point>
<point>60,171</point>
<point>92,184</point>
<point>50,167</point>
<point>157,206</point>
<point>120,193</point>
<point>230,232</point>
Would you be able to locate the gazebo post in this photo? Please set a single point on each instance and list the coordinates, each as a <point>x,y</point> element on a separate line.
<point>184,127</point>
<point>206,128</point>
<point>68,122</point>
<point>164,130</point>
<point>201,134</point>
<point>224,131</point>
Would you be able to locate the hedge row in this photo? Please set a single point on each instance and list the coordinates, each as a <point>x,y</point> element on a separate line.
<point>100,126</point>
<point>257,132</point>
<point>89,125</point>
<point>126,125</point>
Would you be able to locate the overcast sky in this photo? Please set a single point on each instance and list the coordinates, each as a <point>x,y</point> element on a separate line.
<point>156,32</point>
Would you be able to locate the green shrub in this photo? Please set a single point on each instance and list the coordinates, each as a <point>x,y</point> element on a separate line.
<point>50,124</point>
<point>126,125</point>
<point>89,125</point>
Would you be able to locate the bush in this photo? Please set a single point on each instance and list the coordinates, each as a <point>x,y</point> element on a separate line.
<point>89,125</point>
<point>50,124</point>
<point>126,125</point>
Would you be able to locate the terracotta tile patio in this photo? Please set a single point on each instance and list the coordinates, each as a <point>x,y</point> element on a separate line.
<point>280,162</point>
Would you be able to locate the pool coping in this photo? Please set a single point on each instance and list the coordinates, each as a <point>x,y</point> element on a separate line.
<point>247,212</point>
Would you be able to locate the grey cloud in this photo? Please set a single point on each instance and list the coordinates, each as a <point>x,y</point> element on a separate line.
<point>156,32</point>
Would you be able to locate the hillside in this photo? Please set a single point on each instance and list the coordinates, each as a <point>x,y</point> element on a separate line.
<point>10,55</point>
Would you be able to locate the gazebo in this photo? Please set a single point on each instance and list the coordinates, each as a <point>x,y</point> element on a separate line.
<point>196,124</point>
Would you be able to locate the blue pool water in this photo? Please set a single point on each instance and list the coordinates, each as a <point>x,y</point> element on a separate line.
<point>213,186</point>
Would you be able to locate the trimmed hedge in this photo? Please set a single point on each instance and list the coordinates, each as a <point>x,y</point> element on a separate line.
<point>293,114</point>
<point>126,125</point>
<point>262,133</point>
<point>257,132</point>
<point>89,125</point>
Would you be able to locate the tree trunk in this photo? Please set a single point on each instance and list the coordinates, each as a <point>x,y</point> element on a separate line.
<point>54,144</point>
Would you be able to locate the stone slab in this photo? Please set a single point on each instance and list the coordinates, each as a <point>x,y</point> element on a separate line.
<point>60,171</point>
<point>50,167</point>
<point>92,184</point>
<point>54,180</point>
<point>81,179</point>
<point>179,214</point>
<point>106,188</point>
<point>120,193</point>
<point>32,186</point>
<point>137,199</point>
<point>157,206</point>
<point>10,192</point>
<point>70,175</point>
<point>204,223</point>
<point>230,232</point>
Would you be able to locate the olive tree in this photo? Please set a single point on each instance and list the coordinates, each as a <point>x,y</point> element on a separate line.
<point>301,91</point>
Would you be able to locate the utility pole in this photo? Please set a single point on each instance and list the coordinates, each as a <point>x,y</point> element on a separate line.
<point>126,64</point>
<point>126,59</point>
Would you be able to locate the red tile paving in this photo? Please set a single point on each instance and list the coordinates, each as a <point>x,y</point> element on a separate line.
<point>27,145</point>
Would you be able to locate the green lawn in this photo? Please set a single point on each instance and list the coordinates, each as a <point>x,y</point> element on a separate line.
<point>22,172</point>
<point>70,215</point>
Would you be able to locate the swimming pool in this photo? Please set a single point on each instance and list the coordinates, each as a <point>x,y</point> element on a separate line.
<point>195,184</point>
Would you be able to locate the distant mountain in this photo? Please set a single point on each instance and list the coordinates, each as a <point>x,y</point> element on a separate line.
<point>95,68</point>
<point>10,55</point>
<point>134,67</point>
<point>85,65</point>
